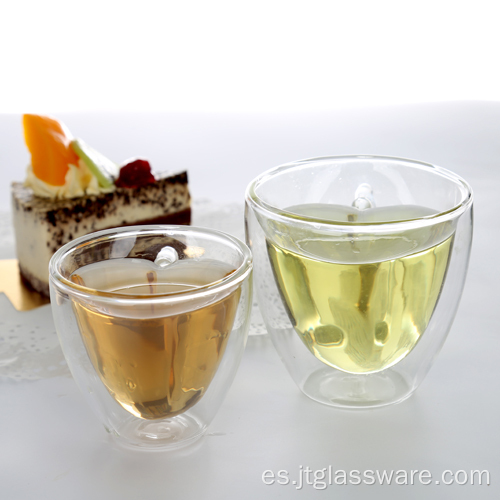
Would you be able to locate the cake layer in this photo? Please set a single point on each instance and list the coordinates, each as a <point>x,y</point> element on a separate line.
<point>43,225</point>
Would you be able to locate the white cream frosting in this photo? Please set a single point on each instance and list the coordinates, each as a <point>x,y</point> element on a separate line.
<point>79,181</point>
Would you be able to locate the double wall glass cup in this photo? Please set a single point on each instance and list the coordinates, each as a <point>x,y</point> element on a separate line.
<point>360,263</point>
<point>153,322</point>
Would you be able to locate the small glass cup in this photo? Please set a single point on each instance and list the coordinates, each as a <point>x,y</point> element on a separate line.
<point>153,321</point>
<point>360,262</point>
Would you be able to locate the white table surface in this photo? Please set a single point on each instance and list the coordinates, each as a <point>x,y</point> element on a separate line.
<point>51,445</point>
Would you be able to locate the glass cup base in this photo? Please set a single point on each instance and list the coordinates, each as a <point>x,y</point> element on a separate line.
<point>161,435</point>
<point>349,391</point>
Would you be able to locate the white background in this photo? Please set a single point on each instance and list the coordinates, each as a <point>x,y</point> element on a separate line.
<point>264,55</point>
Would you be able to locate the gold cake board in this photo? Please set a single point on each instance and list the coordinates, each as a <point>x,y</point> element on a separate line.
<point>22,298</point>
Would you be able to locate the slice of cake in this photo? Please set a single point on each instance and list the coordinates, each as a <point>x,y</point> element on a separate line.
<point>71,190</point>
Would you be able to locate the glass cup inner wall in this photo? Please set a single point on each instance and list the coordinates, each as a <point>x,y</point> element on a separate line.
<point>335,181</point>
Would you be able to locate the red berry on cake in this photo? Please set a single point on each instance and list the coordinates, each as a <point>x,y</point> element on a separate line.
<point>135,173</point>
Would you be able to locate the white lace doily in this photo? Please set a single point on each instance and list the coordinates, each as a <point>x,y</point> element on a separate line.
<point>29,348</point>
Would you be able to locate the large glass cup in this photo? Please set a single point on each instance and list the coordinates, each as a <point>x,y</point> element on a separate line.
<point>153,322</point>
<point>360,262</point>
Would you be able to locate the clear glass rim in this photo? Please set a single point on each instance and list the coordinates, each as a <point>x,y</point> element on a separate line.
<point>257,203</point>
<point>233,279</point>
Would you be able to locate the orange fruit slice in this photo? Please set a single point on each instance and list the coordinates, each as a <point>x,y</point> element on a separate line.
<point>49,144</point>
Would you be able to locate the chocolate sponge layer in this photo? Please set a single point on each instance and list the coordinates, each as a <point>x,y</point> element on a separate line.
<point>56,222</point>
